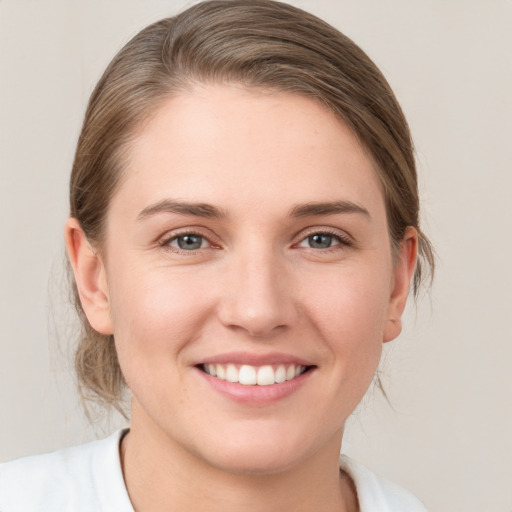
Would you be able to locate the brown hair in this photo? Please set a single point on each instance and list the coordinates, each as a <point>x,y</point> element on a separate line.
<point>256,43</point>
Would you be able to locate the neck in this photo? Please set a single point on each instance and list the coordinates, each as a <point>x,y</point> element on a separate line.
<point>159,472</point>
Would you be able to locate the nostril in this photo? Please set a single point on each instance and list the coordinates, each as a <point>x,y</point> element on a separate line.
<point>257,300</point>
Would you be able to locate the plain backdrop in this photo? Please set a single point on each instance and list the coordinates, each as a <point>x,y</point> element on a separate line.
<point>448,435</point>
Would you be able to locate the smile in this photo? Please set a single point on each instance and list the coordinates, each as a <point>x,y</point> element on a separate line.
<point>249,375</point>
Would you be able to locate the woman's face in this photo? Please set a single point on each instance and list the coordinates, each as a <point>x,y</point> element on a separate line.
<point>249,239</point>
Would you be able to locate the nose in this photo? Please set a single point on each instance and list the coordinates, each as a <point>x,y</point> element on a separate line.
<point>258,296</point>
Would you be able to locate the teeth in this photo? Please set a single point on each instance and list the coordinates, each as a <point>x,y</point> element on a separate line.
<point>252,375</point>
<point>265,376</point>
<point>231,373</point>
<point>247,375</point>
<point>280,374</point>
<point>221,372</point>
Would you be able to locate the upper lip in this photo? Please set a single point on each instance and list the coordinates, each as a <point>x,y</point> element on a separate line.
<point>252,359</point>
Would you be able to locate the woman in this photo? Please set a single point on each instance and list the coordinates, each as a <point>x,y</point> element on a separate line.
<point>243,236</point>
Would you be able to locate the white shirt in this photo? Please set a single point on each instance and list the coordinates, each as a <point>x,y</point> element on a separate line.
<point>88,478</point>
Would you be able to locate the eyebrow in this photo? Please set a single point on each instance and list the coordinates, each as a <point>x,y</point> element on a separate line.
<point>209,211</point>
<point>328,208</point>
<point>182,208</point>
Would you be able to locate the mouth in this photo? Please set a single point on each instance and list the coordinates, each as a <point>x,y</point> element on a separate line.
<point>249,375</point>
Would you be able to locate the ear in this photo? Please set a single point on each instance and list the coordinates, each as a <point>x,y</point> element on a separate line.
<point>402,274</point>
<point>90,277</point>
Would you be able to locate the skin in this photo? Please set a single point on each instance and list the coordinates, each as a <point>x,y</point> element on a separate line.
<point>257,284</point>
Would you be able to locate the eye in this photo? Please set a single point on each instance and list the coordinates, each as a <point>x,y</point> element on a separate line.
<point>320,241</point>
<point>188,242</point>
<point>323,240</point>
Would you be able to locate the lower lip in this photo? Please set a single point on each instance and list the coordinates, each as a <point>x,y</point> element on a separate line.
<point>256,395</point>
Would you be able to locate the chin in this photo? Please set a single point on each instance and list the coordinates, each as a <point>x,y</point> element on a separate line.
<point>253,452</point>
<point>254,461</point>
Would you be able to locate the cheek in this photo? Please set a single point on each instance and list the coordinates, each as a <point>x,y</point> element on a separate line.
<point>350,314</point>
<point>352,304</point>
<point>155,314</point>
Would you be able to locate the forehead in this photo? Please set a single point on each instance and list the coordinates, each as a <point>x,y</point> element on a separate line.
<point>229,144</point>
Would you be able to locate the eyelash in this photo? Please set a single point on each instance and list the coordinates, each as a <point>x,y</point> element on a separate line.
<point>343,241</point>
<point>166,241</point>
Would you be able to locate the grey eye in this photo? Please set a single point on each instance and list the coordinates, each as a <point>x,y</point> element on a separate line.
<point>188,242</point>
<point>320,241</point>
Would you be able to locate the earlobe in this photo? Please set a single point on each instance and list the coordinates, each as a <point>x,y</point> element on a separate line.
<point>90,277</point>
<point>402,275</point>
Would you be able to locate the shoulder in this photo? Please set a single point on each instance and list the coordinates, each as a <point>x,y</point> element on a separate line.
<point>84,478</point>
<point>376,494</point>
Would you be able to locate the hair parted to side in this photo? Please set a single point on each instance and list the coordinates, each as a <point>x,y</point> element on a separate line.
<point>255,43</point>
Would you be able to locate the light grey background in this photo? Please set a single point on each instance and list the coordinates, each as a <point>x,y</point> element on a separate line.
<point>448,376</point>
